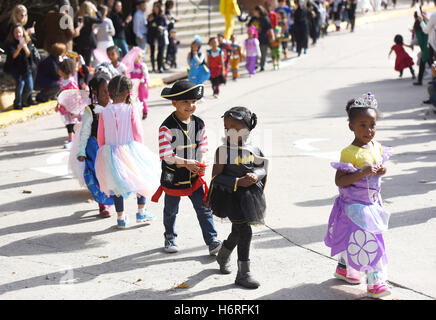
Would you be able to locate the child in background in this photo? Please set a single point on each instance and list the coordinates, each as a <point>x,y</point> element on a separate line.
<point>236,192</point>
<point>81,73</point>
<point>183,147</point>
<point>276,47</point>
<point>215,61</point>
<point>235,57</point>
<point>140,71</point>
<point>113,53</point>
<point>123,164</point>
<point>283,24</point>
<point>224,45</point>
<point>403,60</point>
<point>88,145</point>
<point>358,218</point>
<point>66,71</point>
<point>198,70</point>
<point>252,50</point>
<point>172,49</point>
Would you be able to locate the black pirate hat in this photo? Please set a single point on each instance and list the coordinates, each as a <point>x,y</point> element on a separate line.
<point>183,90</point>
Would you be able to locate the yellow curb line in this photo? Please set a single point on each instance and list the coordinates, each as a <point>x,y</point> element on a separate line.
<point>381,17</point>
<point>16,116</point>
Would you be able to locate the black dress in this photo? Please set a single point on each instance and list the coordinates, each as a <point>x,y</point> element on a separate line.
<point>239,204</point>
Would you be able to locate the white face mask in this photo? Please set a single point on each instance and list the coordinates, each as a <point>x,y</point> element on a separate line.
<point>233,135</point>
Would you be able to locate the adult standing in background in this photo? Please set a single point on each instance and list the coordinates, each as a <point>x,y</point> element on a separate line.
<point>301,28</point>
<point>157,25</point>
<point>140,24</point>
<point>428,26</point>
<point>351,9</point>
<point>19,15</point>
<point>120,27</point>
<point>261,21</point>
<point>105,30</point>
<point>85,42</point>
<point>229,8</point>
<point>19,63</point>
<point>110,6</point>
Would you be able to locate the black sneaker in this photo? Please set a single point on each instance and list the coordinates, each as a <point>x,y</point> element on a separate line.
<point>427,102</point>
<point>214,247</point>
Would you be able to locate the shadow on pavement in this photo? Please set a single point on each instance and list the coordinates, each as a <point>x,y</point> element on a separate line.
<point>136,261</point>
<point>55,199</point>
<point>32,182</point>
<point>39,147</point>
<point>332,289</point>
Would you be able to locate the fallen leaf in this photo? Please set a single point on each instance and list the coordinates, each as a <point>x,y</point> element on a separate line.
<point>182,285</point>
<point>27,191</point>
<point>104,257</point>
<point>139,280</point>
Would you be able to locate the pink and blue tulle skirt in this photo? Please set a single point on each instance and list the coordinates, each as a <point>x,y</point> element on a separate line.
<point>127,168</point>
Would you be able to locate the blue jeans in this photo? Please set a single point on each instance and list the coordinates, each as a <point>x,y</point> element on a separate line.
<point>23,88</point>
<point>119,202</point>
<point>142,45</point>
<point>204,216</point>
<point>122,44</point>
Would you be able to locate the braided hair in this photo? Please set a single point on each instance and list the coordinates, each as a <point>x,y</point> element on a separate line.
<point>118,86</point>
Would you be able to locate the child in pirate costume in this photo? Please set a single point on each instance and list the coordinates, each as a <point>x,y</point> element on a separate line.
<point>182,148</point>
<point>236,192</point>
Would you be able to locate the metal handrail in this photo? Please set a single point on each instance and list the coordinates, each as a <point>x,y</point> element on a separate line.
<point>200,8</point>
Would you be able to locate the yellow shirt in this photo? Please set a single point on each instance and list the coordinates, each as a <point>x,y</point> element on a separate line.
<point>359,157</point>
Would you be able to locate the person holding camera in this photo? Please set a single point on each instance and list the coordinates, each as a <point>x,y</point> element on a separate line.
<point>21,58</point>
<point>86,42</point>
<point>157,25</point>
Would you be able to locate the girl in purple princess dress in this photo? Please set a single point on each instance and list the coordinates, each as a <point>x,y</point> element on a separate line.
<point>358,219</point>
<point>252,50</point>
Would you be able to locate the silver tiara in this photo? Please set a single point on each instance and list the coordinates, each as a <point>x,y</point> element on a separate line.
<point>366,101</point>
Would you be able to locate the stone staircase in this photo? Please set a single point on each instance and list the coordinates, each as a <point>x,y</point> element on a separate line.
<point>194,19</point>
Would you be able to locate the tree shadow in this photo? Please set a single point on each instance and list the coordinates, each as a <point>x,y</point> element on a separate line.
<point>32,182</point>
<point>131,262</point>
<point>55,199</point>
<point>332,289</point>
<point>76,218</point>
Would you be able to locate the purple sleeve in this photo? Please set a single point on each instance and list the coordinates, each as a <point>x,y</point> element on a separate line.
<point>344,166</point>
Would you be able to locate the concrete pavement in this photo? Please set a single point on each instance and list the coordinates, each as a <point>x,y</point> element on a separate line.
<point>53,245</point>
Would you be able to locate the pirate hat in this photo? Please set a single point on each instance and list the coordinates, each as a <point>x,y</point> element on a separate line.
<point>183,90</point>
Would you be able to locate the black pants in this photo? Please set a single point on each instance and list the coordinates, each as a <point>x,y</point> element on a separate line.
<point>160,54</point>
<point>70,128</point>
<point>119,202</point>
<point>240,236</point>
<point>422,69</point>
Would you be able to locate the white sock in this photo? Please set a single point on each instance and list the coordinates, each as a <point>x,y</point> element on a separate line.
<point>141,210</point>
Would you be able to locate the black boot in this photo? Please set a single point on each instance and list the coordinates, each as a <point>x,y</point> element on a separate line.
<point>223,259</point>
<point>244,278</point>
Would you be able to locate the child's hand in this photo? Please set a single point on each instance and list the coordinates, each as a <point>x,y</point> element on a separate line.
<point>369,170</point>
<point>81,158</point>
<point>381,170</point>
<point>192,166</point>
<point>247,180</point>
<point>57,108</point>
